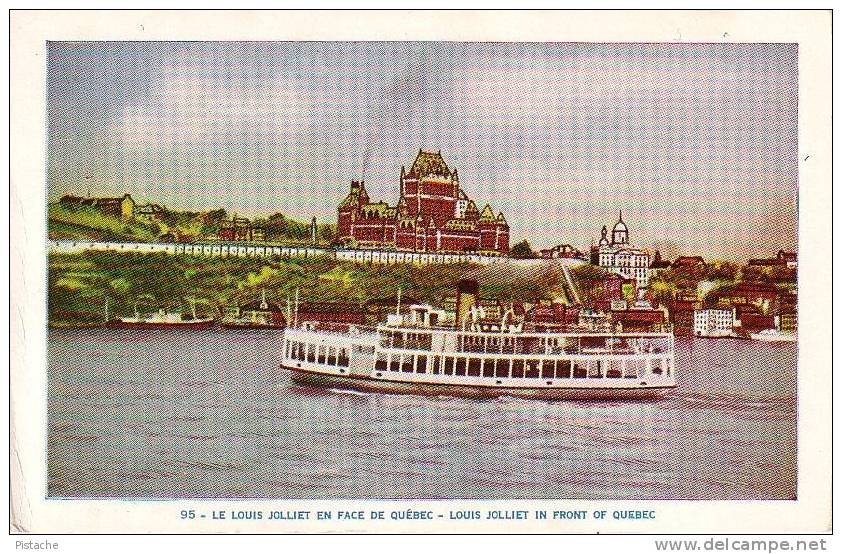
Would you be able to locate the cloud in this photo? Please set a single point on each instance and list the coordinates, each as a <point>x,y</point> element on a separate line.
<point>189,111</point>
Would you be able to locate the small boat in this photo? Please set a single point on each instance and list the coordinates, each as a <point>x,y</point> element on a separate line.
<point>258,314</point>
<point>773,335</point>
<point>161,319</point>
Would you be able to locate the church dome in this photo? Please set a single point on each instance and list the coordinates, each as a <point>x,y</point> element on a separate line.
<point>620,233</point>
<point>620,226</point>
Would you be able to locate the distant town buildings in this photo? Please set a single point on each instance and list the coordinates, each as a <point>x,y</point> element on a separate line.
<point>658,263</point>
<point>617,255</point>
<point>749,319</point>
<point>760,295</point>
<point>689,262</point>
<point>122,207</point>
<point>638,319</point>
<point>783,259</point>
<point>149,213</point>
<point>433,214</point>
<point>562,251</point>
<point>788,312</point>
<point>240,229</point>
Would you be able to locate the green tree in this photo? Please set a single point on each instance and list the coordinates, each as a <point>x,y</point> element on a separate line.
<point>212,221</point>
<point>522,250</point>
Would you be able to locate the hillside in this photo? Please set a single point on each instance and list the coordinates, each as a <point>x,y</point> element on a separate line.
<point>86,223</point>
<point>80,283</point>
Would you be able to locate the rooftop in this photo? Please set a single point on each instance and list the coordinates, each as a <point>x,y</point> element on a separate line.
<point>429,163</point>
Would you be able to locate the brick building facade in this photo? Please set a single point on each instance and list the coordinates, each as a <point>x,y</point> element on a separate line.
<point>433,214</point>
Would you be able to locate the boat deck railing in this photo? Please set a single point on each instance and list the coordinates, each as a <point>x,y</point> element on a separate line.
<point>542,344</point>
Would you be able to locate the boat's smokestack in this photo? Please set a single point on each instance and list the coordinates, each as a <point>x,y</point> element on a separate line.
<point>467,292</point>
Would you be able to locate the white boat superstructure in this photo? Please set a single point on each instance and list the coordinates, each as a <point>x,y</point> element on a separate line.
<point>410,354</point>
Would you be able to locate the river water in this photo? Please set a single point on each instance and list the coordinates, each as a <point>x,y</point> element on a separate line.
<point>166,414</point>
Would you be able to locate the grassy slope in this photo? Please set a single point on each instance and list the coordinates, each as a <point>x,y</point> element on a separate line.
<point>88,223</point>
<point>80,283</point>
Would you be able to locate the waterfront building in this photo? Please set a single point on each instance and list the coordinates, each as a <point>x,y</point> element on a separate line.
<point>593,318</point>
<point>761,295</point>
<point>546,315</point>
<point>713,322</point>
<point>331,312</point>
<point>788,312</point>
<point>257,313</point>
<point>619,256</point>
<point>682,312</point>
<point>748,319</point>
<point>638,319</point>
<point>433,214</point>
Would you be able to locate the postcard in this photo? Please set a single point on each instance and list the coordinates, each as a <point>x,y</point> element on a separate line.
<point>420,272</point>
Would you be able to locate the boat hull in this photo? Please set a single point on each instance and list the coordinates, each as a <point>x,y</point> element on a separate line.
<point>149,326</point>
<point>249,326</point>
<point>368,384</point>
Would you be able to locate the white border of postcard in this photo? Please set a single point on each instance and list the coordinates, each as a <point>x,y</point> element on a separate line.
<point>32,512</point>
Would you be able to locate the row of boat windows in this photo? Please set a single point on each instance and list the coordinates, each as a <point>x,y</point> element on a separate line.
<point>318,353</point>
<point>477,367</point>
<point>419,341</point>
<point>481,343</point>
<point>409,337</point>
<point>493,367</point>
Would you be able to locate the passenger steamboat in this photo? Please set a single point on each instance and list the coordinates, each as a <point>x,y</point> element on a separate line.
<point>416,353</point>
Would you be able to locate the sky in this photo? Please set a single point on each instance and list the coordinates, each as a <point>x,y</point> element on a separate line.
<point>696,143</point>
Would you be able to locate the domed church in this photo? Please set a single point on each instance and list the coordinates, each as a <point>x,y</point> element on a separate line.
<point>618,256</point>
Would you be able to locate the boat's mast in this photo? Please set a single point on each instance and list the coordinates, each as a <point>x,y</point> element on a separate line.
<point>296,307</point>
<point>106,309</point>
<point>399,301</point>
<point>289,309</point>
